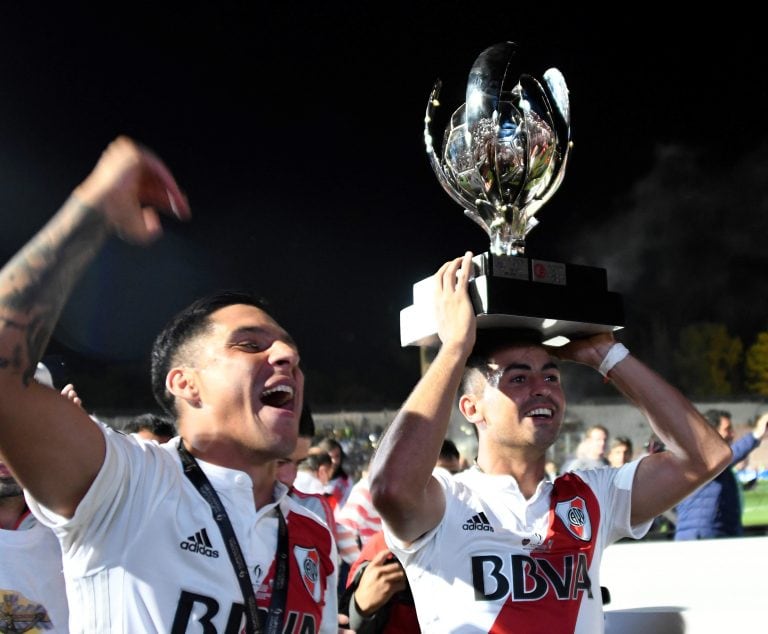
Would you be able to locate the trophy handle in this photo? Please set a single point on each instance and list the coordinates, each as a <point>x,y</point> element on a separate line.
<point>444,177</point>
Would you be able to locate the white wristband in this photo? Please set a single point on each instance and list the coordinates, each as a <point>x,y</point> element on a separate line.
<point>617,353</point>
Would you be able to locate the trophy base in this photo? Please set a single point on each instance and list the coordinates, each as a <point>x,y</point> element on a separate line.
<point>561,301</point>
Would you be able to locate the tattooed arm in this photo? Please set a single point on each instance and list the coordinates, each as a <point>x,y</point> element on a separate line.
<point>50,444</point>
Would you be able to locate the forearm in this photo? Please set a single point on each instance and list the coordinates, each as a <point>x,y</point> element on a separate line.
<point>686,434</point>
<point>36,282</point>
<point>406,456</point>
<point>362,623</point>
<point>742,447</point>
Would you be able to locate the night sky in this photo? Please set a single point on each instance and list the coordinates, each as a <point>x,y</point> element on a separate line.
<point>296,132</point>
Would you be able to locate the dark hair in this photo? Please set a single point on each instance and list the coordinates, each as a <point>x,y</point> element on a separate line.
<point>188,324</point>
<point>449,450</point>
<point>588,431</point>
<point>487,342</point>
<point>622,440</point>
<point>306,423</point>
<point>158,424</point>
<point>713,417</point>
<point>316,459</point>
<point>655,445</point>
<point>327,444</point>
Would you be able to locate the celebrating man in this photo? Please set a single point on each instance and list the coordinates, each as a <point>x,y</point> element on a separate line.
<point>195,534</point>
<point>498,547</point>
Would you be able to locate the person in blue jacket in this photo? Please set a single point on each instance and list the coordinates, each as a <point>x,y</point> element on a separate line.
<point>714,510</point>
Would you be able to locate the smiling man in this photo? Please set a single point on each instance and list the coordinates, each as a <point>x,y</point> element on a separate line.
<point>524,552</point>
<point>195,535</point>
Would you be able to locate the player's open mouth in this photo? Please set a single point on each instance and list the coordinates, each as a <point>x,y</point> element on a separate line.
<point>277,396</point>
<point>540,412</point>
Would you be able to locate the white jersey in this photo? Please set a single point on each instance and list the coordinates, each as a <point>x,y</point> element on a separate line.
<point>144,554</point>
<point>500,563</point>
<point>32,592</point>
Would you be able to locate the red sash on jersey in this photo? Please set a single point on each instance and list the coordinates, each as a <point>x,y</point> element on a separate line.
<point>574,520</point>
<point>310,565</point>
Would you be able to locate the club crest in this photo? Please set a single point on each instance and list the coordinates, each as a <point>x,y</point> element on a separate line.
<point>573,513</point>
<point>308,560</point>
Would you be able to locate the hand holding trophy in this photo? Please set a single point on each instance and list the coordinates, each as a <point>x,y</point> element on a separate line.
<point>504,155</point>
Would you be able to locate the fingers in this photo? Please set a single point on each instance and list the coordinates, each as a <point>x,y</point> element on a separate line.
<point>68,391</point>
<point>130,186</point>
<point>152,225</point>
<point>762,424</point>
<point>465,271</point>
<point>454,312</point>
<point>385,567</point>
<point>159,189</point>
<point>380,557</point>
<point>588,351</point>
<point>455,274</point>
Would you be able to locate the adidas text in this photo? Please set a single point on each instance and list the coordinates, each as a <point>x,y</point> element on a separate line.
<point>199,543</point>
<point>199,548</point>
<point>478,527</point>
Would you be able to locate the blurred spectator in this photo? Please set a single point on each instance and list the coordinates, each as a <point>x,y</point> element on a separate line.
<point>654,445</point>
<point>714,510</point>
<point>287,469</point>
<point>449,458</point>
<point>378,598</point>
<point>340,483</point>
<point>663,526</point>
<point>620,452</point>
<point>358,513</point>
<point>590,453</point>
<point>314,472</point>
<point>31,580</point>
<point>151,426</point>
<point>551,470</point>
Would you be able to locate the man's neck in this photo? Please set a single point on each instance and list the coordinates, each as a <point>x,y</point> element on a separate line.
<point>262,471</point>
<point>11,510</point>
<point>527,473</point>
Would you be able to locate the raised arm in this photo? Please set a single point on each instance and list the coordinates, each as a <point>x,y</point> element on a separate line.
<point>695,452</point>
<point>402,487</point>
<point>51,445</point>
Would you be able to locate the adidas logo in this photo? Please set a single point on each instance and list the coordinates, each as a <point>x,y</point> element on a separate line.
<point>199,543</point>
<point>478,522</point>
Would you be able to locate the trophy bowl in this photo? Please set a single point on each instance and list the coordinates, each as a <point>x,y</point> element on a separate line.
<point>503,156</point>
<point>505,149</point>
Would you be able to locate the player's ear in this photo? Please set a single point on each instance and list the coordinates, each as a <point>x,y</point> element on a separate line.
<point>469,408</point>
<point>181,383</point>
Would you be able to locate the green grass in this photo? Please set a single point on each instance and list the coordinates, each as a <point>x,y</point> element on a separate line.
<point>756,505</point>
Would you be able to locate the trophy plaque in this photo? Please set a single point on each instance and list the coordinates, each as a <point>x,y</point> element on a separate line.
<point>504,155</point>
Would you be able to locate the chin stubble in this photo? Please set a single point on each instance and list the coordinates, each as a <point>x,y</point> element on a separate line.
<point>9,488</point>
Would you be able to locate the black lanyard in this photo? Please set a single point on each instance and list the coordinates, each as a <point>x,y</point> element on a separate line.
<point>280,587</point>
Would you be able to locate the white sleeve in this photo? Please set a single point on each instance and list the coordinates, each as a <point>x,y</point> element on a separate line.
<point>405,551</point>
<point>132,481</point>
<point>613,488</point>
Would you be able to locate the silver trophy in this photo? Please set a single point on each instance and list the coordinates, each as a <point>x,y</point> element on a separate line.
<point>504,155</point>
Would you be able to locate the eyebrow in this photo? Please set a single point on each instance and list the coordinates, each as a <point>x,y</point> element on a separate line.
<point>258,330</point>
<point>551,365</point>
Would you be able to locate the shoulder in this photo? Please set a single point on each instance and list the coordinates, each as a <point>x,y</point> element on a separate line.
<point>375,544</point>
<point>299,515</point>
<point>601,481</point>
<point>315,502</point>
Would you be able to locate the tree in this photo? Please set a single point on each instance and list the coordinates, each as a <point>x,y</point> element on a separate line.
<point>756,365</point>
<point>707,360</point>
